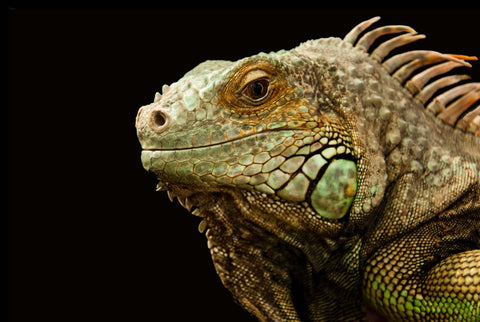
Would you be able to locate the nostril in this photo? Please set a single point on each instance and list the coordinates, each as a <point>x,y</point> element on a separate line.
<point>158,120</point>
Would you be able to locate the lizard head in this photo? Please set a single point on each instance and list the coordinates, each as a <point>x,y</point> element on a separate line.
<point>254,125</point>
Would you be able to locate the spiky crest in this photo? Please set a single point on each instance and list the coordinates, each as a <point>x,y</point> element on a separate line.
<point>457,106</point>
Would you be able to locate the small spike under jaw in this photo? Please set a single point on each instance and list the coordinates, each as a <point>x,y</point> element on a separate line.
<point>161,187</point>
<point>157,97</point>
<point>196,212</point>
<point>181,201</point>
<point>171,195</point>
<point>202,226</point>
<point>188,204</point>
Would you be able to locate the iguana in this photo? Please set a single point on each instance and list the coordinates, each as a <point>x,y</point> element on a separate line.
<point>335,179</point>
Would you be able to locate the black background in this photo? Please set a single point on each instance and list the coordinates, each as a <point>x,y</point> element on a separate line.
<point>89,239</point>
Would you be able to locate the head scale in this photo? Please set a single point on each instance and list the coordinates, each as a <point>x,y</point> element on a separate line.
<point>253,124</point>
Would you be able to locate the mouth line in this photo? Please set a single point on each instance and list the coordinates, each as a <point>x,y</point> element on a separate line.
<point>255,135</point>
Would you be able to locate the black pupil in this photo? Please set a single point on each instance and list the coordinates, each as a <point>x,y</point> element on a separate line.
<point>257,89</point>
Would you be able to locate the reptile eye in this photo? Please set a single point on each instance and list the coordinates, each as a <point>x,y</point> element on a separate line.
<point>257,89</point>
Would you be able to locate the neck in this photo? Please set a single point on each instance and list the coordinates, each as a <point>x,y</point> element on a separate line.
<point>251,233</point>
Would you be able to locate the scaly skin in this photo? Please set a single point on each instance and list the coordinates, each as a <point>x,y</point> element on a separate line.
<point>325,188</point>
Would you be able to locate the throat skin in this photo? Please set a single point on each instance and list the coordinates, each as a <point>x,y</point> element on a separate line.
<point>282,268</point>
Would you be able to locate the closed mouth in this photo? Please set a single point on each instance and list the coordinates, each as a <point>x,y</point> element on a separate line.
<point>210,144</point>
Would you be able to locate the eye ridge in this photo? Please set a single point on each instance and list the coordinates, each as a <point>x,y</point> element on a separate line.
<point>257,89</point>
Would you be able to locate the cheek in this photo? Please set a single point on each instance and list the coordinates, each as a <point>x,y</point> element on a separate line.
<point>334,193</point>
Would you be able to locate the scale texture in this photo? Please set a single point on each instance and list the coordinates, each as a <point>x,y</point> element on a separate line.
<point>338,180</point>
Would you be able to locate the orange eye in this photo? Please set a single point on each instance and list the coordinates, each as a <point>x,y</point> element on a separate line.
<point>257,89</point>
